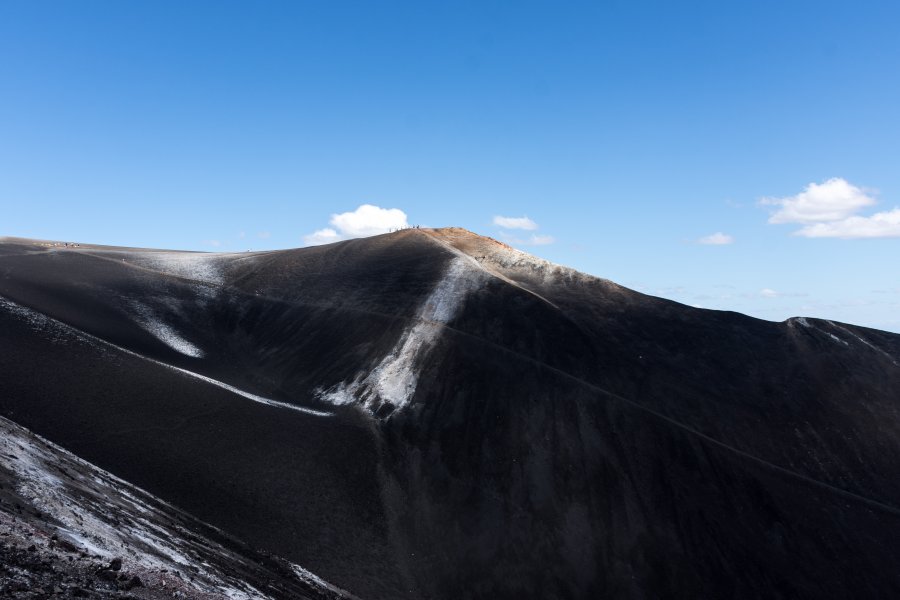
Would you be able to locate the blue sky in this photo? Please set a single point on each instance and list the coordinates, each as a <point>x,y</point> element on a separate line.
<point>625,131</point>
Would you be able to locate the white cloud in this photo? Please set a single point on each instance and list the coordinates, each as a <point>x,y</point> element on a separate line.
<point>364,221</point>
<point>833,200</point>
<point>369,220</point>
<point>532,240</point>
<point>321,236</point>
<point>213,243</point>
<point>716,239</point>
<point>515,223</point>
<point>828,210</point>
<point>541,240</point>
<point>535,239</point>
<point>880,225</point>
<point>264,235</point>
<point>767,293</point>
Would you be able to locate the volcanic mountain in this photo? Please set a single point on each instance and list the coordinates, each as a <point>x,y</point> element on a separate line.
<point>433,414</point>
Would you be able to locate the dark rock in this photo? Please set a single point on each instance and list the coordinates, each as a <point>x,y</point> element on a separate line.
<point>67,546</point>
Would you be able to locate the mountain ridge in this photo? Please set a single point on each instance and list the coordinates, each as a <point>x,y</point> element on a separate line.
<point>470,421</point>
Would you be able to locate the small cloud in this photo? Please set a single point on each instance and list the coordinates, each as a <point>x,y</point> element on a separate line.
<point>264,235</point>
<point>770,293</point>
<point>532,240</point>
<point>535,239</point>
<point>515,223</point>
<point>321,236</point>
<point>365,221</point>
<point>213,243</point>
<point>242,235</point>
<point>716,239</point>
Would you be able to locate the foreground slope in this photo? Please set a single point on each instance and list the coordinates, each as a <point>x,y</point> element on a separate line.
<point>433,414</point>
<point>72,529</point>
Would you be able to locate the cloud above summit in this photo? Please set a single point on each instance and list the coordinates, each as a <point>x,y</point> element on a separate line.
<point>829,209</point>
<point>365,221</point>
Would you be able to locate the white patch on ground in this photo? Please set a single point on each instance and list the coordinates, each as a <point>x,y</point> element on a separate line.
<point>864,341</point>
<point>42,322</point>
<point>339,395</point>
<point>508,258</point>
<point>171,338</point>
<point>153,324</point>
<point>317,581</point>
<point>805,323</point>
<point>394,379</point>
<point>49,329</point>
<point>108,517</point>
<point>242,393</point>
<point>89,520</point>
<point>82,541</point>
<point>837,339</point>
<point>198,266</point>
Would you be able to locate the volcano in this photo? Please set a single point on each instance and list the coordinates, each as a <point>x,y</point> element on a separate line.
<point>433,414</point>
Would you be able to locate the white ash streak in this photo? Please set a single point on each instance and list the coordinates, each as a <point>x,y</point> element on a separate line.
<point>864,341</point>
<point>85,515</point>
<point>108,517</point>
<point>315,580</point>
<point>158,328</point>
<point>395,378</point>
<point>63,332</point>
<point>805,323</point>
<point>198,266</point>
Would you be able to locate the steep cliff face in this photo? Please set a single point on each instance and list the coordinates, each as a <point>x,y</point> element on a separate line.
<point>431,413</point>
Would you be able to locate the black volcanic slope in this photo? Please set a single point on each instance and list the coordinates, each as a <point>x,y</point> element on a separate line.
<point>431,414</point>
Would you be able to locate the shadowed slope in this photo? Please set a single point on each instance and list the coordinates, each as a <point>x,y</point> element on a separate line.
<point>475,422</point>
<point>63,521</point>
